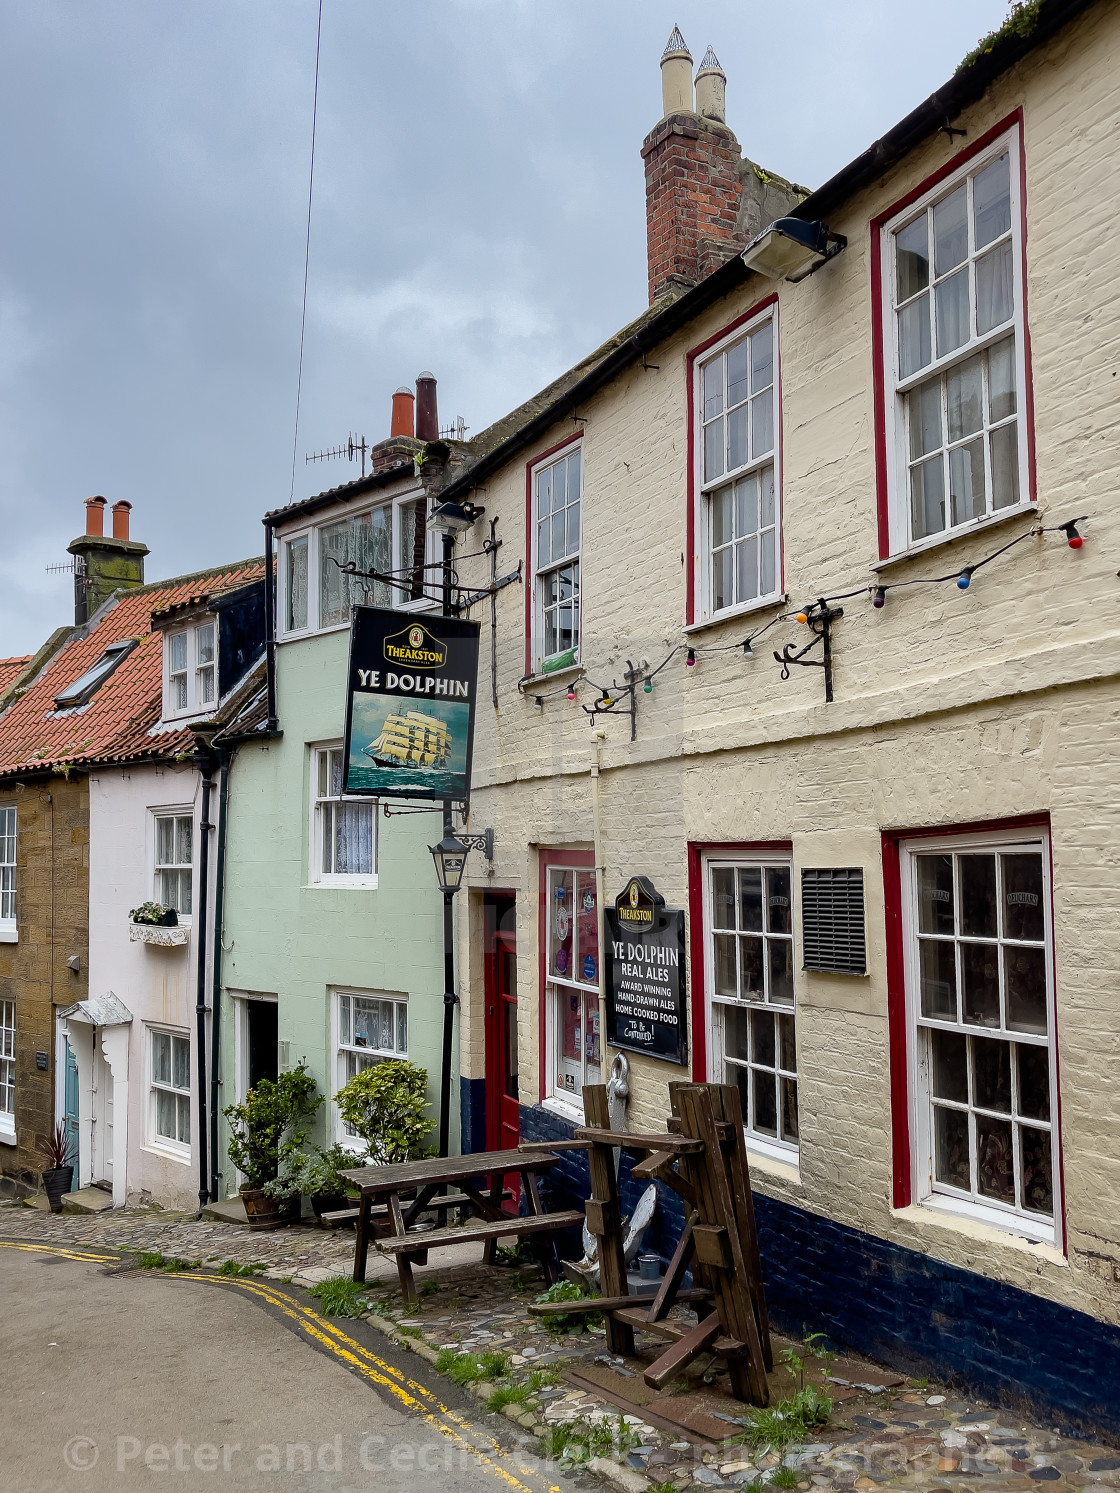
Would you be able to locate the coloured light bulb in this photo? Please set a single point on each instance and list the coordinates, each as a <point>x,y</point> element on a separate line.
<point>964,580</point>
<point>690,660</point>
<point>880,597</point>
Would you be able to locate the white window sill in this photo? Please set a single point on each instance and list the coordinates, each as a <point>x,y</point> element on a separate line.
<point>564,1109</point>
<point>774,1161</point>
<point>169,1152</point>
<point>962,531</point>
<point>162,937</point>
<point>965,1219</point>
<point>9,933</point>
<point>7,1130</point>
<point>745,609</point>
<point>532,682</point>
<point>313,632</point>
<point>342,884</point>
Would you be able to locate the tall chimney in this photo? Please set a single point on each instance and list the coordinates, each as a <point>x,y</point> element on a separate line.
<point>104,563</point>
<point>403,412</point>
<point>693,176</point>
<point>711,89</point>
<point>95,515</point>
<point>427,418</point>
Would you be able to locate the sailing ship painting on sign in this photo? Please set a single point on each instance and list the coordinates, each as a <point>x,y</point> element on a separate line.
<point>410,705</point>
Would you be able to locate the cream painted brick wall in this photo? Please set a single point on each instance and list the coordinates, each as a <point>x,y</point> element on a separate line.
<point>950,707</point>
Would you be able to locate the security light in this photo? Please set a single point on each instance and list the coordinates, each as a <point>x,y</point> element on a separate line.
<point>791,249</point>
<point>454,518</point>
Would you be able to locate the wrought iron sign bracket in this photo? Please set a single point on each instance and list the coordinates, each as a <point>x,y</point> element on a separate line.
<point>468,599</point>
<point>820,617</point>
<point>618,699</point>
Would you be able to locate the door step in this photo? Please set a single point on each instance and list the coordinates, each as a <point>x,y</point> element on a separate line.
<point>88,1200</point>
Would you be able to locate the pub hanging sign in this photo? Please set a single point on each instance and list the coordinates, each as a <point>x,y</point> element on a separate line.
<point>645,991</point>
<point>410,700</point>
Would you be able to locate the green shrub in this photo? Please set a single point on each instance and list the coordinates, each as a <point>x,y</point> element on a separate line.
<point>265,1137</point>
<point>385,1104</point>
<point>568,1290</point>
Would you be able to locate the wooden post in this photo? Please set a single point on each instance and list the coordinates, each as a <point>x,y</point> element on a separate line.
<point>361,1243</point>
<point>604,1218</point>
<point>726,1096</point>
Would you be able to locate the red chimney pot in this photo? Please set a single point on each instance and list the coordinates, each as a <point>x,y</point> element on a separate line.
<point>121,511</point>
<point>403,412</point>
<point>95,515</point>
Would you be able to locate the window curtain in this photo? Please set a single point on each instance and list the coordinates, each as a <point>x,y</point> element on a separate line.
<point>365,541</point>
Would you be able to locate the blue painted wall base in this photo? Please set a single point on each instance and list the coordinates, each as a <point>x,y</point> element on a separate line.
<point>897,1306</point>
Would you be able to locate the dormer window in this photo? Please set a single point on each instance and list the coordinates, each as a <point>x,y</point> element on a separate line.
<point>86,685</point>
<point>191,661</point>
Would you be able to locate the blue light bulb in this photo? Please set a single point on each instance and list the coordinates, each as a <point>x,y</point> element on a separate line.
<point>964,580</point>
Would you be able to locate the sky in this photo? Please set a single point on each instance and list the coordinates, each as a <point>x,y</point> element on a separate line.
<point>478,211</point>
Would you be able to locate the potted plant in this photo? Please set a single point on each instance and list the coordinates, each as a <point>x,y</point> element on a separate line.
<point>265,1139</point>
<point>317,1174</point>
<point>155,914</point>
<point>385,1104</point>
<point>58,1174</point>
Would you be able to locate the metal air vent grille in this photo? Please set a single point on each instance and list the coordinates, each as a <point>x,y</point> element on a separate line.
<point>832,923</point>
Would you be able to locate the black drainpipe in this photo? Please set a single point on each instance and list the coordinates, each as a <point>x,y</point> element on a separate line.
<point>225,762</point>
<point>204,762</point>
<point>270,626</point>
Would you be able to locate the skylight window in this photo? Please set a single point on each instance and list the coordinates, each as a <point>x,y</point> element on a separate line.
<point>87,685</point>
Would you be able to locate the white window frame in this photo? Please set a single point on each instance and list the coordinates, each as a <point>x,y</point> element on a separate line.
<point>173,811</point>
<point>896,387</point>
<point>575,558</point>
<point>7,1068</point>
<point>926,1193</point>
<point>702,509</point>
<point>774,1147</point>
<point>317,819</point>
<point>311,532</point>
<point>342,1050</point>
<point>9,873</point>
<point>564,1101</point>
<point>181,1150</point>
<point>195,667</point>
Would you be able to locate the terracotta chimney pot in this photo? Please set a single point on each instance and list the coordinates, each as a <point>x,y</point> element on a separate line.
<point>121,511</point>
<point>404,402</point>
<point>95,515</point>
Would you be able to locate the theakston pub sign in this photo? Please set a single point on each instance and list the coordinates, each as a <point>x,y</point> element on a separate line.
<point>410,700</point>
<point>645,974</point>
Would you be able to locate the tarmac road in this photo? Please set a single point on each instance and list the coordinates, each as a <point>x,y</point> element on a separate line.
<point>118,1379</point>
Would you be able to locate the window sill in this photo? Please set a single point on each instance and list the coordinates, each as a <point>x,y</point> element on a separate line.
<point>169,1152</point>
<point>747,609</point>
<point>532,682</point>
<point>941,1213</point>
<point>312,632</point>
<point>573,1113</point>
<point>7,1133</point>
<point>9,933</point>
<point>784,1165</point>
<point>342,884</point>
<point>164,938</point>
<point>964,531</point>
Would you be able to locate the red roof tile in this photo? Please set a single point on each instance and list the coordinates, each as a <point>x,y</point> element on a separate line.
<point>115,725</point>
<point>10,668</point>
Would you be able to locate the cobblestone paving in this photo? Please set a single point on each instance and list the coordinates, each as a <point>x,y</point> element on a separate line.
<point>916,1437</point>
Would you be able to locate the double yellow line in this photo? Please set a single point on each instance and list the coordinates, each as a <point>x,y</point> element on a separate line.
<point>409,1393</point>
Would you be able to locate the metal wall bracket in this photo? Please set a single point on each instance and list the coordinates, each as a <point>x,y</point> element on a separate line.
<point>618,699</point>
<point>820,617</point>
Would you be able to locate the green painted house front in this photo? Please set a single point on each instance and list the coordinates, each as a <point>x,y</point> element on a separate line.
<point>332,923</point>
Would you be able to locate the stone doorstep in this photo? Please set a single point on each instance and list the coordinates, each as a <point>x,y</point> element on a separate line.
<point>232,1210</point>
<point>87,1200</point>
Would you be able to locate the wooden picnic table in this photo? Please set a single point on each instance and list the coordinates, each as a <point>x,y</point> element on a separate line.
<point>377,1183</point>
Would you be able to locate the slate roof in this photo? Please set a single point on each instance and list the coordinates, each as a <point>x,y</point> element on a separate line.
<point>116,724</point>
<point>10,668</point>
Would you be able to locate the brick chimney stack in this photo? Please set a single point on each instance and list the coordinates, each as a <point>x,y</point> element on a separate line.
<point>693,177</point>
<point>104,563</point>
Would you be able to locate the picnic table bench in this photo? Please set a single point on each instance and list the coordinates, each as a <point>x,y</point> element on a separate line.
<point>377,1183</point>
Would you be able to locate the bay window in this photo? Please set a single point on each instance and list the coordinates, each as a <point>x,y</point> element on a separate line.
<point>738,518</point>
<point>980,1003</point>
<point>954,350</point>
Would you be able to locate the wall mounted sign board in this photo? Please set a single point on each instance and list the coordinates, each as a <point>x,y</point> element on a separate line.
<point>645,974</point>
<point>410,698</point>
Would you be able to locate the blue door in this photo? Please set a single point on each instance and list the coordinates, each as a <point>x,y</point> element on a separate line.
<point>70,1117</point>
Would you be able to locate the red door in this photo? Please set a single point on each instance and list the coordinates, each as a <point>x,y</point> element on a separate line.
<point>503,1125</point>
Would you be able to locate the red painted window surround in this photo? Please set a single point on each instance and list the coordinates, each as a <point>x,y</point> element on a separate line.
<point>581,859</point>
<point>878,349</point>
<point>690,450</point>
<point>530,573</point>
<point>697,850</point>
<point>902,1170</point>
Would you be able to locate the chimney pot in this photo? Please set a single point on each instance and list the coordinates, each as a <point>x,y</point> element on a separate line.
<point>711,89</point>
<point>676,77</point>
<point>404,402</point>
<point>121,511</point>
<point>95,515</point>
<point>427,417</point>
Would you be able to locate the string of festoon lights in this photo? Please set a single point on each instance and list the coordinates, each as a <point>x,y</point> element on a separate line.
<point>610,697</point>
